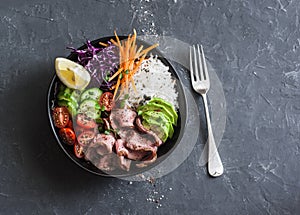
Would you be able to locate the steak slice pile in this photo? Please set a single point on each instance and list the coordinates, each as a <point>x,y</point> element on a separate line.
<point>135,143</point>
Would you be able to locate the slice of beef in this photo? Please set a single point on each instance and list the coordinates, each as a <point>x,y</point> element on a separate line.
<point>120,118</point>
<point>138,141</point>
<point>158,141</point>
<point>138,155</point>
<point>142,129</point>
<point>120,148</point>
<point>147,162</point>
<point>91,155</point>
<point>104,143</point>
<point>124,163</point>
<point>107,162</point>
<point>139,125</point>
<point>123,133</point>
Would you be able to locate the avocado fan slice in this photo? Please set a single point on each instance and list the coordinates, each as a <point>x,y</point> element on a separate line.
<point>157,129</point>
<point>159,120</point>
<point>158,108</point>
<point>167,105</point>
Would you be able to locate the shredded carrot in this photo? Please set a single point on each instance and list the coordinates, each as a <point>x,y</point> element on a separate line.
<point>103,44</point>
<point>133,84</point>
<point>131,57</point>
<point>138,51</point>
<point>138,64</point>
<point>126,82</point>
<point>145,51</point>
<point>121,92</point>
<point>117,38</point>
<point>117,87</point>
<point>114,42</point>
<point>116,74</point>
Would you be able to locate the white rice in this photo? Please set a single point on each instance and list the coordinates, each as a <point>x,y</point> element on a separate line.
<point>153,79</point>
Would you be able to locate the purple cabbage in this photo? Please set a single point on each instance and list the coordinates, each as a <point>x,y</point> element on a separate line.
<point>101,63</point>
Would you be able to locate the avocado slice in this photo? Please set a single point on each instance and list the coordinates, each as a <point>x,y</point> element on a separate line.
<point>158,108</point>
<point>167,105</point>
<point>157,129</point>
<point>159,120</point>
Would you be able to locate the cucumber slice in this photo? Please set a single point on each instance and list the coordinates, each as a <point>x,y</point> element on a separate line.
<point>76,95</point>
<point>93,93</point>
<point>89,104</point>
<point>69,105</point>
<point>92,114</point>
<point>91,108</point>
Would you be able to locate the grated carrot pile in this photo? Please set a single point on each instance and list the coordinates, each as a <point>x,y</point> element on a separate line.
<point>131,57</point>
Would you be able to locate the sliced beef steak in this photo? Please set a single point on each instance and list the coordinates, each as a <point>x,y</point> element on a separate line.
<point>135,143</point>
<point>149,160</point>
<point>104,143</point>
<point>107,162</point>
<point>142,129</point>
<point>120,148</point>
<point>138,155</point>
<point>120,118</point>
<point>138,141</point>
<point>124,163</point>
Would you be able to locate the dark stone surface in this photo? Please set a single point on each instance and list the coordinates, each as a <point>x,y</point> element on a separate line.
<point>254,47</point>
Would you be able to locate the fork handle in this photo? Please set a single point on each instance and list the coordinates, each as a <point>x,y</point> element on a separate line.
<point>215,166</point>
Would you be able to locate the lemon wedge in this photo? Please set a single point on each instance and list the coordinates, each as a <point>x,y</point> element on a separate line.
<point>72,74</point>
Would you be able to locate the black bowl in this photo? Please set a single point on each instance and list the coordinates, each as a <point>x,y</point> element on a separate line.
<point>163,150</point>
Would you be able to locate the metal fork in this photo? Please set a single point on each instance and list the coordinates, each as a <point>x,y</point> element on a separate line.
<point>201,84</point>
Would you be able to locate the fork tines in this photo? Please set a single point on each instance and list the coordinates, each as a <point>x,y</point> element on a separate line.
<point>198,72</point>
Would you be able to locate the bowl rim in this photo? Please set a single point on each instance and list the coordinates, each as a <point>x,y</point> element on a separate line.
<point>182,112</point>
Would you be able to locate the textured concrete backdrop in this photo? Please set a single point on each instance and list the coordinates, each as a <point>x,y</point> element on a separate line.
<point>254,47</point>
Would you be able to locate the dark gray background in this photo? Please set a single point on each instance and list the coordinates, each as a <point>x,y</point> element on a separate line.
<point>254,47</point>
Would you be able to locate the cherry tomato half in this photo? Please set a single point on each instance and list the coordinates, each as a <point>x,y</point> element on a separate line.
<point>61,117</point>
<point>68,135</point>
<point>70,124</point>
<point>85,122</point>
<point>85,138</point>
<point>78,150</point>
<point>107,100</point>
